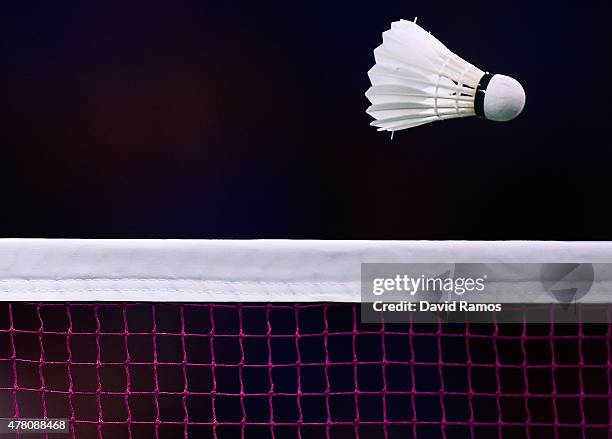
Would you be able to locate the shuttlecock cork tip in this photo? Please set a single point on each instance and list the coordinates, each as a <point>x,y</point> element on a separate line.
<point>499,97</point>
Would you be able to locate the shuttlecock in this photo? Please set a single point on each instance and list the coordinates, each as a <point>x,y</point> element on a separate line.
<point>417,80</point>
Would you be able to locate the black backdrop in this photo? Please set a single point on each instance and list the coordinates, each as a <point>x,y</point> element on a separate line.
<point>246,120</point>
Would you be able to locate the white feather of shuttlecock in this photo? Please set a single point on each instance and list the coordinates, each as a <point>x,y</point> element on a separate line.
<point>417,80</point>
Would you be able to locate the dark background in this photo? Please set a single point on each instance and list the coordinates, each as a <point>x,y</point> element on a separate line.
<point>247,120</point>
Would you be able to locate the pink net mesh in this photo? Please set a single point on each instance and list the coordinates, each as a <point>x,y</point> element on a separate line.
<point>298,370</point>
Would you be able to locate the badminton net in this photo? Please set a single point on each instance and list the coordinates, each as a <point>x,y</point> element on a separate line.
<point>280,369</point>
